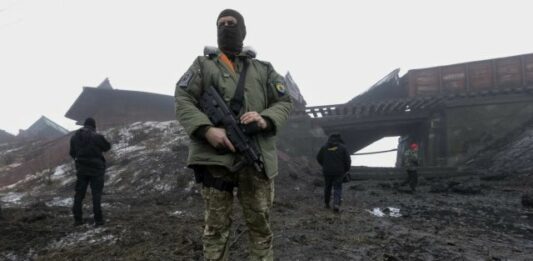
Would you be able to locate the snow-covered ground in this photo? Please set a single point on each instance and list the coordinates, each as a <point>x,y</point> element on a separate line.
<point>86,238</point>
<point>143,158</point>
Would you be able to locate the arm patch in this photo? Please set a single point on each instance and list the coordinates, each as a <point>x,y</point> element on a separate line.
<point>185,79</point>
<point>280,88</point>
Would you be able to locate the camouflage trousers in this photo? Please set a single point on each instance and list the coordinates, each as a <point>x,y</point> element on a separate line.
<point>256,194</point>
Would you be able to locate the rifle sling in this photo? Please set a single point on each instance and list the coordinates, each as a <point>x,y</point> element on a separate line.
<point>237,101</point>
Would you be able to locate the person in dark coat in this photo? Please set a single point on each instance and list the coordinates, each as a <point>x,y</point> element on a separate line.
<point>335,161</point>
<point>86,148</point>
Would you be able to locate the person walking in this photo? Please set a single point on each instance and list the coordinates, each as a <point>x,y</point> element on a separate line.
<point>336,162</point>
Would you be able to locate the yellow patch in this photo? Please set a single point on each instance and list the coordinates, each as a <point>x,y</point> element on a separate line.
<point>332,148</point>
<point>280,88</point>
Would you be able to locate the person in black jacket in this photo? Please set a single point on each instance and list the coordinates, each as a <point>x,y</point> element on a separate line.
<point>335,161</point>
<point>86,148</point>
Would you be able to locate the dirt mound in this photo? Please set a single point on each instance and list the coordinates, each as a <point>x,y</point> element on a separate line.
<point>510,155</point>
<point>168,226</point>
<point>154,211</point>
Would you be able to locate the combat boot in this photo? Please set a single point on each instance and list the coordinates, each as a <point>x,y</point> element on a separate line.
<point>99,223</point>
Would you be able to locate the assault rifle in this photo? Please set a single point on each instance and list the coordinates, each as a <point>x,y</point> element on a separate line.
<point>219,113</point>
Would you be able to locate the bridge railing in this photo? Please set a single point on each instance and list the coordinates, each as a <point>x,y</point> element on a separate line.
<point>376,108</point>
<point>324,111</point>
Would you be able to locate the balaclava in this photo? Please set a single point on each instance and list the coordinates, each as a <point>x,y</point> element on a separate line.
<point>230,38</point>
<point>90,122</point>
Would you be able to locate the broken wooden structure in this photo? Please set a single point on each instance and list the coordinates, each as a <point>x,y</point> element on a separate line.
<point>112,108</point>
<point>451,111</point>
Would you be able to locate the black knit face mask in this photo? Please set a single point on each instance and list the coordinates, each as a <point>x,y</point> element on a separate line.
<point>230,39</point>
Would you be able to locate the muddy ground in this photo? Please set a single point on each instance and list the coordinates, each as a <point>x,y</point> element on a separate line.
<point>461,219</point>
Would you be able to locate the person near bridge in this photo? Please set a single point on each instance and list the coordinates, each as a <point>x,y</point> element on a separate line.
<point>410,162</point>
<point>335,161</point>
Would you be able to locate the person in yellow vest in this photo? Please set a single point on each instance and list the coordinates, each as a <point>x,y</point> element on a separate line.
<point>265,105</point>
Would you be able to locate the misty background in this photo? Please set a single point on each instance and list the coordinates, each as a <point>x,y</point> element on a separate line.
<point>334,50</point>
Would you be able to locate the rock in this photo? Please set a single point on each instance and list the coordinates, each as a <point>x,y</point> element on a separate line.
<point>390,257</point>
<point>384,185</point>
<point>318,182</point>
<point>467,189</point>
<point>293,175</point>
<point>527,200</point>
<point>453,183</point>
<point>357,188</point>
<point>439,188</point>
<point>34,217</point>
<point>495,177</point>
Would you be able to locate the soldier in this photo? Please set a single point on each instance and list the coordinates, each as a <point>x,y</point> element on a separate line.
<point>410,159</point>
<point>335,161</point>
<point>264,106</point>
<point>86,148</point>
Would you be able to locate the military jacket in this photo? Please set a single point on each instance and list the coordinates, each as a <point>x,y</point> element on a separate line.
<point>410,158</point>
<point>334,159</point>
<point>264,92</point>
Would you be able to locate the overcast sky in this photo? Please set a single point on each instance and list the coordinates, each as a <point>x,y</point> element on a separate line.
<point>50,49</point>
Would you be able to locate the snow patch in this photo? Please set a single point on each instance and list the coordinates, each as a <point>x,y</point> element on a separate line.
<point>14,165</point>
<point>60,170</point>
<point>176,213</point>
<point>163,187</point>
<point>389,211</point>
<point>113,175</point>
<point>60,202</point>
<point>13,197</point>
<point>162,125</point>
<point>121,151</point>
<point>90,237</point>
<point>28,178</point>
<point>11,150</point>
<point>190,186</point>
<point>10,256</point>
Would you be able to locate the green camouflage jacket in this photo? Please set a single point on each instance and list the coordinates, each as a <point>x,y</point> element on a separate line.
<point>265,93</point>
<point>410,158</point>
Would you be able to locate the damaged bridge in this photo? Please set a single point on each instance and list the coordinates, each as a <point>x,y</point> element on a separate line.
<point>451,111</point>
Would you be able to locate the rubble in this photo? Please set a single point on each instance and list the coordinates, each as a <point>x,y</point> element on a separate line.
<point>154,211</point>
<point>527,200</point>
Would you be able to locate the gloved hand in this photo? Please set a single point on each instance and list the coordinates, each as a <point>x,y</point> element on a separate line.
<point>218,139</point>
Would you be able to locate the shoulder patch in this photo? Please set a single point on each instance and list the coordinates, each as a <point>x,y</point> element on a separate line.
<point>186,79</point>
<point>280,87</point>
